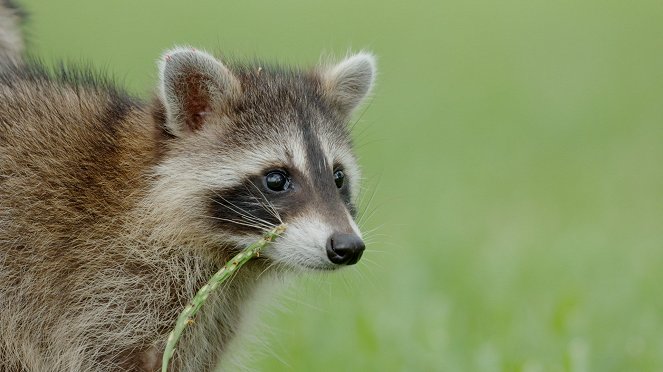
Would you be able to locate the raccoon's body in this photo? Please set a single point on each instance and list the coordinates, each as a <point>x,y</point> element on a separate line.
<point>114,210</point>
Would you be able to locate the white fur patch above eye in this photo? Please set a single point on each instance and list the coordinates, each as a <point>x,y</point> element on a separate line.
<point>350,81</point>
<point>298,152</point>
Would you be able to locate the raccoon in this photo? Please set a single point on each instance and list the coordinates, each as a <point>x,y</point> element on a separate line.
<point>115,210</point>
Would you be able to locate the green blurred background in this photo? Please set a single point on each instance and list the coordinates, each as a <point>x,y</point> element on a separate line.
<point>513,154</point>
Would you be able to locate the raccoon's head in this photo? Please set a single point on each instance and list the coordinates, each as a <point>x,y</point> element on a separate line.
<point>251,146</point>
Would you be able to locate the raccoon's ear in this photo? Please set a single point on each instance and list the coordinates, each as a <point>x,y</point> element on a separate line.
<point>192,85</point>
<point>347,83</point>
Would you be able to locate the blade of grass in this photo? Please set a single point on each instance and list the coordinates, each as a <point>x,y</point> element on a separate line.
<point>186,316</point>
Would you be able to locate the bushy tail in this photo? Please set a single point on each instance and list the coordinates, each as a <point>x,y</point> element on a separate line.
<point>11,39</point>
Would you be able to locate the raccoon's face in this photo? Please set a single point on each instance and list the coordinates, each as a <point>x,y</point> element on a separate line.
<point>254,146</point>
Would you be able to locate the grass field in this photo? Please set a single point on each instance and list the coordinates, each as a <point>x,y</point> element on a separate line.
<point>515,153</point>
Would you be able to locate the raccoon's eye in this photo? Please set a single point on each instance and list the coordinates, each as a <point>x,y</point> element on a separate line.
<point>339,177</point>
<point>277,181</point>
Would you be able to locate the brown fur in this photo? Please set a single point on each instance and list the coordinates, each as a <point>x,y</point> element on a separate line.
<point>113,211</point>
<point>76,268</point>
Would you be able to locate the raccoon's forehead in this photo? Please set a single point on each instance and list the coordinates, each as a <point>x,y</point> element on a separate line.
<point>282,114</point>
<point>282,97</point>
<point>303,145</point>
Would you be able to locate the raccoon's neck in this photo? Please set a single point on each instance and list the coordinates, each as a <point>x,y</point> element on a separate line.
<point>182,271</point>
<point>171,240</point>
<point>221,320</point>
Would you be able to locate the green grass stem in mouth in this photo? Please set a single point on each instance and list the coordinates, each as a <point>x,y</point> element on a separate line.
<point>187,315</point>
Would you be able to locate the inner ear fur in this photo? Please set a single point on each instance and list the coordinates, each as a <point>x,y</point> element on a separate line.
<point>192,85</point>
<point>348,83</point>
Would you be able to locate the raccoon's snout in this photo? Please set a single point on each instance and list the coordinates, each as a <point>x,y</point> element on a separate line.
<point>345,249</point>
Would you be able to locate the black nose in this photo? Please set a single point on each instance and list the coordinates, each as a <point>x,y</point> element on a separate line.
<point>344,249</point>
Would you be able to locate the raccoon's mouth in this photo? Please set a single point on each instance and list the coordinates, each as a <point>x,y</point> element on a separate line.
<point>324,267</point>
<point>314,264</point>
<point>295,263</point>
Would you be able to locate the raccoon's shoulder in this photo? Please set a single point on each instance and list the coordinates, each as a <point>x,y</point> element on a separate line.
<point>64,104</point>
<point>69,120</point>
<point>75,134</point>
<point>65,89</point>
